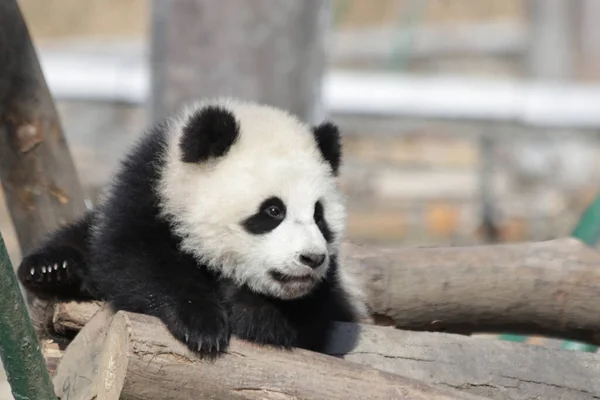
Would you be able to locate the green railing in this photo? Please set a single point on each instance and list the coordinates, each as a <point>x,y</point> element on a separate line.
<point>19,348</point>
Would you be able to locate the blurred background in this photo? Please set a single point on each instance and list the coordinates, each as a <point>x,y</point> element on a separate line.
<point>464,121</point>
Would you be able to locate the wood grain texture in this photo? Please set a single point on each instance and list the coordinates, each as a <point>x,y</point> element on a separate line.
<point>492,368</point>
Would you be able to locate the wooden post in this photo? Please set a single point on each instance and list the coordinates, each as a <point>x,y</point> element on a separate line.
<point>36,170</point>
<point>271,51</point>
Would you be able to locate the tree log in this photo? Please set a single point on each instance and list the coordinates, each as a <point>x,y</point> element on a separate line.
<point>491,368</point>
<point>495,369</point>
<point>132,356</point>
<point>544,288</point>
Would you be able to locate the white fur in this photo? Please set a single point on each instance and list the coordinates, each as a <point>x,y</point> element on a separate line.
<point>274,155</point>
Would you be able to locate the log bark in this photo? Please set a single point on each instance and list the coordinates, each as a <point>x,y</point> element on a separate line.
<point>36,169</point>
<point>132,356</point>
<point>545,288</point>
<point>491,368</point>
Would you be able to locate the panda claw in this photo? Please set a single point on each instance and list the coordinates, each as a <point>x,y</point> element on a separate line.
<point>32,271</point>
<point>64,264</point>
<point>55,267</point>
<point>44,269</point>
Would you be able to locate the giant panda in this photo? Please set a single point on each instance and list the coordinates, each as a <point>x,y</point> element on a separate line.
<point>224,219</point>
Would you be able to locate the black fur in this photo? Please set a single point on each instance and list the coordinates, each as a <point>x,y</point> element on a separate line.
<point>210,133</point>
<point>328,139</point>
<point>265,220</point>
<point>322,223</point>
<point>64,251</point>
<point>134,263</point>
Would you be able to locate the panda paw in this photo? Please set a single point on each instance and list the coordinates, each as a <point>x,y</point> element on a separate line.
<point>206,333</point>
<point>49,269</point>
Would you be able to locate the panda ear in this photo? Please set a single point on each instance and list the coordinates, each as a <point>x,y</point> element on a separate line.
<point>327,136</point>
<point>209,133</point>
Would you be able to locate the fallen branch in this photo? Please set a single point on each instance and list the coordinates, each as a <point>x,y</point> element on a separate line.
<point>132,356</point>
<point>544,288</point>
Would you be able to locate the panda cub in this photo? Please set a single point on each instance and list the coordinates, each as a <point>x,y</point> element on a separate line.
<point>226,218</point>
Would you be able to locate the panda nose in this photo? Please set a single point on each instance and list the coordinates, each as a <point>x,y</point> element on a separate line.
<point>312,260</point>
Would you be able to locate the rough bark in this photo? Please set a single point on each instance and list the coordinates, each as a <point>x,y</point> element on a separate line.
<point>271,51</point>
<point>492,368</point>
<point>36,170</point>
<point>133,356</point>
<point>544,288</point>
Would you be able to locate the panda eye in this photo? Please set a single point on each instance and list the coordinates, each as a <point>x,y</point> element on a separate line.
<point>274,212</point>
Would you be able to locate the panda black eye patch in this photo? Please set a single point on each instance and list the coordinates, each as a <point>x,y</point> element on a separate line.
<point>319,217</point>
<point>268,217</point>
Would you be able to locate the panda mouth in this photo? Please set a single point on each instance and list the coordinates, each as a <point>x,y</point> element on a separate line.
<point>284,278</point>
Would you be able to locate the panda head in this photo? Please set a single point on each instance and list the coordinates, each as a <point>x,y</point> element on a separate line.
<point>253,194</point>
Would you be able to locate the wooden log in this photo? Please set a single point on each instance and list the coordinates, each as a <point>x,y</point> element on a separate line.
<point>133,356</point>
<point>492,368</point>
<point>544,288</point>
<point>69,318</point>
<point>495,369</point>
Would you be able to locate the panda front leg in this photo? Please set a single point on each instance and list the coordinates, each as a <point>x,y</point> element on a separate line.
<point>258,319</point>
<point>185,298</point>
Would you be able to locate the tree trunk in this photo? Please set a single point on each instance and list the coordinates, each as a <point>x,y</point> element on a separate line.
<point>270,51</point>
<point>36,170</point>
